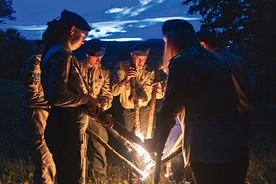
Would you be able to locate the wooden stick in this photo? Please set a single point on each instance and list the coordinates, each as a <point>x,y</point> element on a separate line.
<point>152,104</point>
<point>137,171</point>
<point>133,92</point>
<point>123,140</point>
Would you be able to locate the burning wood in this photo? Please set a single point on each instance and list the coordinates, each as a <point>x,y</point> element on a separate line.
<point>137,171</point>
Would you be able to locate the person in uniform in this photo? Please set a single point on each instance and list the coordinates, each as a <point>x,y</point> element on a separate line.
<point>67,93</point>
<point>34,113</point>
<point>98,79</point>
<point>134,79</point>
<point>215,145</point>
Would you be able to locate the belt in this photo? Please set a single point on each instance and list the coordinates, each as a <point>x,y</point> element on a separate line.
<point>132,110</point>
<point>129,110</point>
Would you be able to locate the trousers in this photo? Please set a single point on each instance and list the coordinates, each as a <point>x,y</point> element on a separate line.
<point>33,123</point>
<point>97,158</point>
<point>65,137</point>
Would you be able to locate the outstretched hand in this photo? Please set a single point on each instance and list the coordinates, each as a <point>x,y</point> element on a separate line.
<point>98,114</point>
<point>154,144</point>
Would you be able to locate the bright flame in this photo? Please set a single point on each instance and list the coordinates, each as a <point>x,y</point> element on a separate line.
<point>148,169</point>
<point>147,159</point>
<point>141,136</point>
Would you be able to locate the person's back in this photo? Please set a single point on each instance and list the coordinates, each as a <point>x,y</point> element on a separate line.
<point>33,117</point>
<point>32,93</point>
<point>215,145</point>
<point>210,104</point>
<point>239,69</point>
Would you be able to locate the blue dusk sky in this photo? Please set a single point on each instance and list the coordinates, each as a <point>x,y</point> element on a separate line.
<point>119,20</point>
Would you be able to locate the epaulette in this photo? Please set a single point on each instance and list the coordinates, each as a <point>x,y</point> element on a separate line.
<point>149,69</point>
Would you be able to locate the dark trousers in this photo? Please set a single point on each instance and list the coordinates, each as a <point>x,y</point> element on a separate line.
<point>65,136</point>
<point>97,159</point>
<point>227,173</point>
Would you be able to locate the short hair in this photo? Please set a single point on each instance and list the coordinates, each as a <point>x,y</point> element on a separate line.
<point>208,37</point>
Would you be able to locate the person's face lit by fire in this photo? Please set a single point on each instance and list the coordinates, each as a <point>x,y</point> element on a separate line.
<point>93,61</point>
<point>139,61</point>
<point>76,38</point>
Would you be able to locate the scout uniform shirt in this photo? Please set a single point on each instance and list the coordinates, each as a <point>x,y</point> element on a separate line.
<point>98,80</point>
<point>144,80</point>
<point>32,93</point>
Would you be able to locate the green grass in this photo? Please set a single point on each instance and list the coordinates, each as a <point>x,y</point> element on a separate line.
<point>16,166</point>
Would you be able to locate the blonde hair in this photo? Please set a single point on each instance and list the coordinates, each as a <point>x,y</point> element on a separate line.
<point>181,41</point>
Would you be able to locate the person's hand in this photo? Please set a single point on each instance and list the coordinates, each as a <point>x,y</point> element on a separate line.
<point>105,119</point>
<point>92,105</point>
<point>158,86</point>
<point>130,98</point>
<point>131,73</point>
<point>160,135</point>
<point>98,114</point>
<point>155,144</point>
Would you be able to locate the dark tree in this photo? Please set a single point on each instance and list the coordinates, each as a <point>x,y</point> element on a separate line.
<point>14,50</point>
<point>6,11</point>
<point>248,24</point>
<point>240,21</point>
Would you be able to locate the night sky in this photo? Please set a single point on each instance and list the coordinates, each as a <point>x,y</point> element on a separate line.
<point>120,20</point>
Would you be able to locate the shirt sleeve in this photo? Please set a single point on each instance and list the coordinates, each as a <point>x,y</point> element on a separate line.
<point>117,87</point>
<point>176,92</point>
<point>106,95</point>
<point>146,90</point>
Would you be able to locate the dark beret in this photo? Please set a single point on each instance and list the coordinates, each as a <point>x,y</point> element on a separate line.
<point>94,47</point>
<point>76,20</point>
<point>140,49</point>
<point>174,24</point>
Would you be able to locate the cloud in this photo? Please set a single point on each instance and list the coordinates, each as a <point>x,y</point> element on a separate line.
<point>111,28</point>
<point>133,11</point>
<point>135,29</point>
<point>144,2</point>
<point>120,19</point>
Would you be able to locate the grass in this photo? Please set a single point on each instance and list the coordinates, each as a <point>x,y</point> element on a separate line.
<point>16,166</point>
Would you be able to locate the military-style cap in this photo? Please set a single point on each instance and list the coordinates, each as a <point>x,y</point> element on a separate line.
<point>140,49</point>
<point>94,47</point>
<point>174,24</point>
<point>76,20</point>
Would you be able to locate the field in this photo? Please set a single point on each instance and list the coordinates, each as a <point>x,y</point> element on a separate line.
<point>16,166</point>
